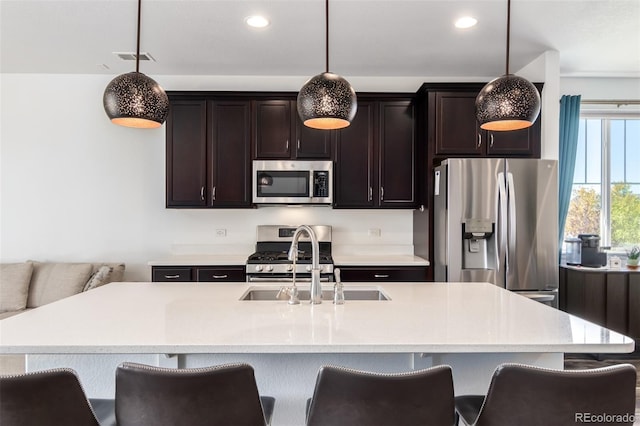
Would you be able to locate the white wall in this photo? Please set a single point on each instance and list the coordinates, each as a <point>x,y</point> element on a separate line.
<point>75,187</point>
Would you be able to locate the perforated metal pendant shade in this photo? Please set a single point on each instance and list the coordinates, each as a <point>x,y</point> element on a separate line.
<point>327,101</point>
<point>507,103</point>
<point>135,100</point>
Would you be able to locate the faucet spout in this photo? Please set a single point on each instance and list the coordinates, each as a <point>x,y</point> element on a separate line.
<point>316,289</point>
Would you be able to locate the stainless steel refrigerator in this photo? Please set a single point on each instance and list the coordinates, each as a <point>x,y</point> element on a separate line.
<point>496,220</point>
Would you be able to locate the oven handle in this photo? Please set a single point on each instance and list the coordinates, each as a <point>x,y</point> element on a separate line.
<point>283,279</point>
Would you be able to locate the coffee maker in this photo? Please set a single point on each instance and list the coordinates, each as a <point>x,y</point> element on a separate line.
<point>592,257</point>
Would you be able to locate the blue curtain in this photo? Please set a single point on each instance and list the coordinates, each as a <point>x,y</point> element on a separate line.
<point>569,121</point>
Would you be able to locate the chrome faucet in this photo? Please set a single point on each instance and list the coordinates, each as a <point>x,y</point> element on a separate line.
<point>315,291</point>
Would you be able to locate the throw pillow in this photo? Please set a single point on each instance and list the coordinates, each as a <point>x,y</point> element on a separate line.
<point>101,277</point>
<point>53,281</point>
<point>14,286</point>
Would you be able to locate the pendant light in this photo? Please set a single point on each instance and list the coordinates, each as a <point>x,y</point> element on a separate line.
<point>508,102</point>
<point>134,99</point>
<point>327,101</point>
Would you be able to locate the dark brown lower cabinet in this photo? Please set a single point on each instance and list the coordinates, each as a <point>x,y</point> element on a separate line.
<point>233,273</point>
<point>608,298</point>
<point>383,273</point>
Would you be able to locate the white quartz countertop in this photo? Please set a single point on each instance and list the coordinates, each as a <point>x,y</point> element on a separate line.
<point>379,260</point>
<point>338,260</point>
<point>182,318</point>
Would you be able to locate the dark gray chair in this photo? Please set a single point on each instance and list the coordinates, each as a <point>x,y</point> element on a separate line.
<point>45,398</point>
<point>531,396</point>
<point>352,398</point>
<point>221,395</point>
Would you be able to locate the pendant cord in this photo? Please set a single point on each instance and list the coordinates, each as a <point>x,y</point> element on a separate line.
<point>326,32</point>
<point>508,32</point>
<point>138,41</point>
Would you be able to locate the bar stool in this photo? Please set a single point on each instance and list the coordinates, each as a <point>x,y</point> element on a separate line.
<point>524,395</point>
<point>344,396</point>
<point>220,395</point>
<point>44,398</point>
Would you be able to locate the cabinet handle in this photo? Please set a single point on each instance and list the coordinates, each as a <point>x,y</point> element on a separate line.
<point>381,276</point>
<point>287,145</point>
<point>298,144</point>
<point>479,140</point>
<point>381,193</point>
<point>172,277</point>
<point>221,277</point>
<point>491,140</point>
<point>213,193</point>
<point>370,193</point>
<point>202,193</point>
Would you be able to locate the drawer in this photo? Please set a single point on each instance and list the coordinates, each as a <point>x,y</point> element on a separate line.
<point>382,274</point>
<point>177,274</point>
<point>225,274</point>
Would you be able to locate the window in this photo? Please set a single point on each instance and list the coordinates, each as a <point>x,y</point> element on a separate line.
<point>606,185</point>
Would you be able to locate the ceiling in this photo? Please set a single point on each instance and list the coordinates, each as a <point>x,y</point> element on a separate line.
<point>595,38</point>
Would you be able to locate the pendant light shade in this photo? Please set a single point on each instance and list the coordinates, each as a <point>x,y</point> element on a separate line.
<point>134,99</point>
<point>508,102</point>
<point>327,101</point>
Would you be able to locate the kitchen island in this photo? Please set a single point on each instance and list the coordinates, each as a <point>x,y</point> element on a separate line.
<point>471,326</point>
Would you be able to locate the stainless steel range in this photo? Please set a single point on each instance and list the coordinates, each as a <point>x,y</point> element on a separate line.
<point>270,261</point>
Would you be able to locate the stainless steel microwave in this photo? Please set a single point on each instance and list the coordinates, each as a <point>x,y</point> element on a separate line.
<point>292,182</point>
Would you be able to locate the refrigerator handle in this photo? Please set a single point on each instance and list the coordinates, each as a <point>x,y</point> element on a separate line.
<point>511,192</point>
<point>501,240</point>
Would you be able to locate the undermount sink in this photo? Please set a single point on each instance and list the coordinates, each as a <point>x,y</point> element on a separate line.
<point>263,294</point>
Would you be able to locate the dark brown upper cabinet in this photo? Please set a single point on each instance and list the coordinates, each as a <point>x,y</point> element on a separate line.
<point>208,153</point>
<point>376,156</point>
<point>278,133</point>
<point>453,131</point>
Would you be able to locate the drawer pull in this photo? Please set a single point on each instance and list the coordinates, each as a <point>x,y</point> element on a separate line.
<point>381,276</point>
<point>221,277</point>
<point>172,277</point>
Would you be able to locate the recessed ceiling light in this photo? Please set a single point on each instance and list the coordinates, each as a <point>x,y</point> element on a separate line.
<point>466,22</point>
<point>257,21</point>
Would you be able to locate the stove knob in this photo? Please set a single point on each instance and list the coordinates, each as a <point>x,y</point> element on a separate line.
<point>269,268</point>
<point>289,268</point>
<point>308,268</point>
<point>259,268</point>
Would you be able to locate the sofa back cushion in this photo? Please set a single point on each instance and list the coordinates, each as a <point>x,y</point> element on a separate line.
<point>14,286</point>
<point>52,281</point>
<point>104,273</point>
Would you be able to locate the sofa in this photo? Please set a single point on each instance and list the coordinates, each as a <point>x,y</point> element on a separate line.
<point>28,285</point>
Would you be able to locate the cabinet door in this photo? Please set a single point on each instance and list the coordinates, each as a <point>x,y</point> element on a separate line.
<point>525,142</point>
<point>354,160</point>
<point>272,128</point>
<point>231,152</point>
<point>586,296</point>
<point>617,302</point>
<point>383,273</point>
<point>186,154</point>
<point>309,143</point>
<point>634,306</point>
<point>171,273</point>
<point>453,122</point>
<point>221,274</point>
<point>397,154</point>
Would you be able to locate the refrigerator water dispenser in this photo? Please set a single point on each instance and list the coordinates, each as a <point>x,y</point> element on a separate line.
<point>476,235</point>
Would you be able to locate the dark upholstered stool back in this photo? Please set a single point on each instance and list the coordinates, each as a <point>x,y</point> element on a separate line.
<point>45,398</point>
<point>350,397</point>
<point>530,396</point>
<point>221,395</point>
